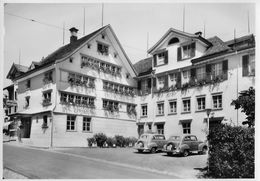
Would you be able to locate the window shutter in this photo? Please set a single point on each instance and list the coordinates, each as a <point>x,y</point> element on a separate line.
<point>208,68</point>
<point>178,84</point>
<point>193,72</point>
<point>139,85</point>
<point>225,65</point>
<point>179,54</point>
<point>166,81</point>
<point>154,84</point>
<point>193,48</point>
<point>154,60</point>
<point>245,62</point>
<point>149,85</point>
<point>166,57</point>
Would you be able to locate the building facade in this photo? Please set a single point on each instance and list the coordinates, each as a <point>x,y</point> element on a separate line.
<point>90,86</point>
<point>83,88</point>
<point>188,75</point>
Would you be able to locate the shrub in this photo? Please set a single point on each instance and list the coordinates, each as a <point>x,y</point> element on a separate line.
<point>100,139</point>
<point>231,152</point>
<point>111,142</point>
<point>91,141</point>
<point>120,140</point>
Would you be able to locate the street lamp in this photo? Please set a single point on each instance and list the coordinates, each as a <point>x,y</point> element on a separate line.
<point>208,111</point>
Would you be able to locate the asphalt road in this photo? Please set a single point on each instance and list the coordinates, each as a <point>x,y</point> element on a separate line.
<point>35,163</point>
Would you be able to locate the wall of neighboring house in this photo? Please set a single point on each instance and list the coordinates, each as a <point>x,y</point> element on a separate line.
<point>103,121</point>
<point>228,89</point>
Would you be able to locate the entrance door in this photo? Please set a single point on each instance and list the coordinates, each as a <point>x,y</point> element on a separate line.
<point>26,127</point>
<point>140,130</point>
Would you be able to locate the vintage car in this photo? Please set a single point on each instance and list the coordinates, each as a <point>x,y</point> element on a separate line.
<point>150,142</point>
<point>184,145</point>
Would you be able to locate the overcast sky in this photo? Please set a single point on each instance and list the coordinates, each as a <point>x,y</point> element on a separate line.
<point>130,21</point>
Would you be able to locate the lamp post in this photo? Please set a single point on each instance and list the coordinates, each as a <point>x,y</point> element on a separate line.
<point>208,111</point>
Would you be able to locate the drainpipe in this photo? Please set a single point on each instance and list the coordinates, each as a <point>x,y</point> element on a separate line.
<point>52,115</point>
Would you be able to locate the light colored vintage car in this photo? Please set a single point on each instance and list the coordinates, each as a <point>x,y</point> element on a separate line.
<point>150,142</point>
<point>184,145</point>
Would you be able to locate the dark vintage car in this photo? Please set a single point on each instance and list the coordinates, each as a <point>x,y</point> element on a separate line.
<point>184,145</point>
<point>150,142</point>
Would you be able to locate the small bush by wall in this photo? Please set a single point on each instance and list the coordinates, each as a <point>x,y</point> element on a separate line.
<point>231,152</point>
<point>100,138</point>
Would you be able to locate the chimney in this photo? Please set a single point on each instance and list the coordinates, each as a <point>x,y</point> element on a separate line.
<point>73,36</point>
<point>198,33</point>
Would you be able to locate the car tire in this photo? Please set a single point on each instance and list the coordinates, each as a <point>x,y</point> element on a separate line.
<point>185,153</point>
<point>169,153</point>
<point>153,150</point>
<point>204,150</point>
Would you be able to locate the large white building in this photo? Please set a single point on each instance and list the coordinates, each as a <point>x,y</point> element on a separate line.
<point>186,75</point>
<point>90,86</point>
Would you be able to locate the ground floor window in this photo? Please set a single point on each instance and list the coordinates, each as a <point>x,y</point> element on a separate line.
<point>87,124</point>
<point>160,128</point>
<point>186,128</point>
<point>71,123</point>
<point>150,127</point>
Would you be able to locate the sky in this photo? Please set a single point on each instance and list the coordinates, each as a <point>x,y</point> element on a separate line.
<point>132,22</point>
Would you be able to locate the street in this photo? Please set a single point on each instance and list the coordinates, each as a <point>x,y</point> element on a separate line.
<point>44,164</point>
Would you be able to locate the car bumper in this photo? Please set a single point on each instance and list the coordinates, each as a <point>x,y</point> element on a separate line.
<point>172,151</point>
<point>143,149</point>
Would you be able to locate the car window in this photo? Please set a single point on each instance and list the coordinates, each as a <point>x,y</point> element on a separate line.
<point>187,138</point>
<point>160,137</point>
<point>193,138</point>
<point>175,138</point>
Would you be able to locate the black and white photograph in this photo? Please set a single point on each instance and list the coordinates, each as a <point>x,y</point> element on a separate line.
<point>128,90</point>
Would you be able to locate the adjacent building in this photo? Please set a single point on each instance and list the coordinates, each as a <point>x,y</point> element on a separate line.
<point>90,86</point>
<point>188,76</point>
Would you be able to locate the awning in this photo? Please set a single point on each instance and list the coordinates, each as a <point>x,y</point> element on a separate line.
<point>32,111</point>
<point>214,119</point>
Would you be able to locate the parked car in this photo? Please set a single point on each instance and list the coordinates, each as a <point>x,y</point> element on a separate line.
<point>150,142</point>
<point>184,145</point>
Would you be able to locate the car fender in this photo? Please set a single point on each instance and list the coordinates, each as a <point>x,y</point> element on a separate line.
<point>201,145</point>
<point>184,147</point>
<point>152,144</point>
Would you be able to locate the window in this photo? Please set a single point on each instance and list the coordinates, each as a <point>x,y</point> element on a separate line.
<point>46,98</point>
<point>144,110</point>
<point>63,98</point>
<point>186,105</point>
<point>201,103</point>
<point>172,107</point>
<point>71,99</point>
<point>15,109</point>
<point>217,101</point>
<point>47,77</point>
<point>110,105</point>
<point>78,100</point>
<point>10,110</point>
<point>248,63</point>
<point>27,101</point>
<point>173,79</point>
<point>161,81</point>
<point>71,123</point>
<point>28,84</point>
<point>161,57</point>
<point>173,41</point>
<point>201,73</point>
<point>185,76</point>
<point>216,69</point>
<point>102,48</point>
<point>45,122</point>
<point>149,127</point>
<point>160,109</point>
<point>186,128</point>
<point>144,86</point>
<point>86,124</point>
<point>160,128</point>
<point>186,50</point>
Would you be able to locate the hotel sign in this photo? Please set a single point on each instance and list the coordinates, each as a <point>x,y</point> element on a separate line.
<point>11,103</point>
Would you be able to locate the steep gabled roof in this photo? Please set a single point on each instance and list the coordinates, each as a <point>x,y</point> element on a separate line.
<point>16,69</point>
<point>217,46</point>
<point>172,30</point>
<point>144,67</point>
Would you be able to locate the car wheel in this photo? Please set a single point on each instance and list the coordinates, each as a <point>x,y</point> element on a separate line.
<point>140,151</point>
<point>185,153</point>
<point>169,153</point>
<point>153,150</point>
<point>204,150</point>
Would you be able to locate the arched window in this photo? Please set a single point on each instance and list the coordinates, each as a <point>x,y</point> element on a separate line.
<point>173,40</point>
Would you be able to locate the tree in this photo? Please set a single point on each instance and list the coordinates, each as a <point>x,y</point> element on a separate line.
<point>246,101</point>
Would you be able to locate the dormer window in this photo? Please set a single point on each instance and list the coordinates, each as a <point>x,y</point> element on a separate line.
<point>186,51</point>
<point>160,58</point>
<point>102,48</point>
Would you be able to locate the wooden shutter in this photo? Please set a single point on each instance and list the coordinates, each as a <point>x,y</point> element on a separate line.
<point>149,85</point>
<point>193,72</point>
<point>154,85</point>
<point>179,54</point>
<point>154,60</point>
<point>193,48</point>
<point>245,62</point>
<point>178,84</point>
<point>208,69</point>
<point>225,65</point>
<point>139,84</point>
<point>166,57</point>
<point>165,81</point>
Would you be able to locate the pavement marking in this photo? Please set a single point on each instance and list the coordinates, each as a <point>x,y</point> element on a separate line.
<point>109,162</point>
